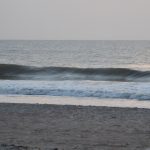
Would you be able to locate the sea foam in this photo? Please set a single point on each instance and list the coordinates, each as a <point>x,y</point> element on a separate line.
<point>99,89</point>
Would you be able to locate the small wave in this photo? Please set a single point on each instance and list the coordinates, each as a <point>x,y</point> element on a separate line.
<point>18,72</point>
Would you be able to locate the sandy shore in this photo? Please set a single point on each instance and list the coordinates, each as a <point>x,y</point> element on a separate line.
<point>51,127</point>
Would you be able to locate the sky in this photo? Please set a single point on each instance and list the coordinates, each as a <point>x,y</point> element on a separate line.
<point>75,19</point>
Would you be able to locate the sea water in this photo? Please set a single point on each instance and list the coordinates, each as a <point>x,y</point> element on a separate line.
<point>112,71</point>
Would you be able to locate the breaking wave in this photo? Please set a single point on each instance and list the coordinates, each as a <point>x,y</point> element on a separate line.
<point>18,72</point>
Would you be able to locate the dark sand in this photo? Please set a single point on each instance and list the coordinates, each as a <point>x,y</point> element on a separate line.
<point>50,127</point>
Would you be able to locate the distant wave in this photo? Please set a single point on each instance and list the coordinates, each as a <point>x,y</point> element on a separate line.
<point>18,72</point>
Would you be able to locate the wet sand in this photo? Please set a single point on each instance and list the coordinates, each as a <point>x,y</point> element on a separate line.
<point>56,127</point>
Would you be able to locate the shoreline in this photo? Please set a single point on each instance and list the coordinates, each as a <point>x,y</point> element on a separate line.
<point>76,101</point>
<point>66,127</point>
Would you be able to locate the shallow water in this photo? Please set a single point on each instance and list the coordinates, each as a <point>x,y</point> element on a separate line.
<point>57,100</point>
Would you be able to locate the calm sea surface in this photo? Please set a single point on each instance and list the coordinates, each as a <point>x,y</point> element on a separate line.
<point>130,54</point>
<point>101,70</point>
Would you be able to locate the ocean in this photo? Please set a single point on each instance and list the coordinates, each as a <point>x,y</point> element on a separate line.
<point>100,71</point>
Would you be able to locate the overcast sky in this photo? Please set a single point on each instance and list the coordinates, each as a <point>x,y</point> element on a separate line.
<point>75,19</point>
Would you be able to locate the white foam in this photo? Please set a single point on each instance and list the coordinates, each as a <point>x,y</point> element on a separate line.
<point>123,90</point>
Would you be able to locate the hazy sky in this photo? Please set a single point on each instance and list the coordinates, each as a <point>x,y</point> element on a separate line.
<point>75,19</point>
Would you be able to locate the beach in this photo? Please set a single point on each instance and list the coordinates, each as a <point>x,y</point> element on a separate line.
<point>62,127</point>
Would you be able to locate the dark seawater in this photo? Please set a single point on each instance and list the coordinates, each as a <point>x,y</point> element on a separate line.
<point>101,69</point>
